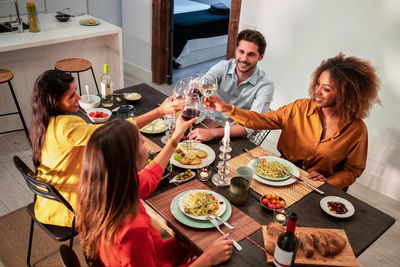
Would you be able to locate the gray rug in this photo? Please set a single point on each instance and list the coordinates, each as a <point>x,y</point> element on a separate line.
<point>14,236</point>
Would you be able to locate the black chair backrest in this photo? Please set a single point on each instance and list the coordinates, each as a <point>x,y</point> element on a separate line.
<point>39,188</point>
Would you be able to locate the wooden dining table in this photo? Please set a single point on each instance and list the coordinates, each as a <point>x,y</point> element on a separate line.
<point>362,229</point>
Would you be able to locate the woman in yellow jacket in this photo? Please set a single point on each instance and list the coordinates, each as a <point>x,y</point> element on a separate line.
<point>325,134</point>
<point>58,140</point>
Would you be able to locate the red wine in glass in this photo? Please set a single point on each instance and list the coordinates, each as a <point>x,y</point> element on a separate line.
<point>190,113</point>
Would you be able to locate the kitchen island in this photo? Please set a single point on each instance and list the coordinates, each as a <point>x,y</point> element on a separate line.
<point>28,54</point>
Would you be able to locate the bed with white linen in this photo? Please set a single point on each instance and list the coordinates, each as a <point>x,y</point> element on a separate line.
<point>193,41</point>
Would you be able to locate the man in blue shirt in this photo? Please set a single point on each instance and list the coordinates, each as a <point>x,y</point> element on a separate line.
<point>240,83</point>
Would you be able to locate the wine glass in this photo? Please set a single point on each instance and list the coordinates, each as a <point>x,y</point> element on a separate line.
<point>178,95</point>
<point>209,84</point>
<point>194,86</point>
<point>191,109</point>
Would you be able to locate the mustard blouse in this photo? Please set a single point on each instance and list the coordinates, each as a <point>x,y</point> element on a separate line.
<point>61,159</point>
<point>340,158</point>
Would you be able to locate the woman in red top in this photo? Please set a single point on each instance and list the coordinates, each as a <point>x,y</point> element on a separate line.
<point>113,224</point>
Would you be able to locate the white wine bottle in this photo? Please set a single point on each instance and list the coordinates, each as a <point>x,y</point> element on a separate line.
<point>286,246</point>
<point>107,98</point>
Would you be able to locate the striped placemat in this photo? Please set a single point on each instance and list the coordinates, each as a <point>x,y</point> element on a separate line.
<point>291,193</point>
<point>202,238</point>
<point>151,145</point>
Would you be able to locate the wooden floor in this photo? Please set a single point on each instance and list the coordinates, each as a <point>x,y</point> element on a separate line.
<point>14,193</point>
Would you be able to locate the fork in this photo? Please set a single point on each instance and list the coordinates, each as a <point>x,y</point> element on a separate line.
<point>215,223</point>
<point>215,216</point>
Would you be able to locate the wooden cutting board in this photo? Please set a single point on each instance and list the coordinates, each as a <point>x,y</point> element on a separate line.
<point>345,258</point>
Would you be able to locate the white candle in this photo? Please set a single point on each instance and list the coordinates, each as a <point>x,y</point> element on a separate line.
<point>227,128</point>
<point>225,140</point>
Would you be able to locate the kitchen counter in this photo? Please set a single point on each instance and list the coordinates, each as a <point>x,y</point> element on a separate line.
<point>28,55</point>
<point>52,32</point>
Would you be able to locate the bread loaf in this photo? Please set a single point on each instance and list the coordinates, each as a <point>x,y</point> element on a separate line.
<point>335,241</point>
<point>270,247</point>
<point>275,229</point>
<point>320,243</point>
<point>306,243</point>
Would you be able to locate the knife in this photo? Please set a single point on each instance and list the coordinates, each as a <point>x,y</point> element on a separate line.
<point>304,182</point>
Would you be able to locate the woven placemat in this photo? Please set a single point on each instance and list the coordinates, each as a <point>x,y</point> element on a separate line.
<point>151,145</point>
<point>202,238</point>
<point>291,193</point>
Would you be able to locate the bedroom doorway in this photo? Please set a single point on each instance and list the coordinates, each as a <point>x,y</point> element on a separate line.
<point>162,21</point>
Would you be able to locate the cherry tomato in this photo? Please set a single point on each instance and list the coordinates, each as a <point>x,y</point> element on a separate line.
<point>271,206</point>
<point>273,201</point>
<point>273,196</point>
<point>282,202</point>
<point>265,201</point>
<point>278,205</point>
<point>268,196</point>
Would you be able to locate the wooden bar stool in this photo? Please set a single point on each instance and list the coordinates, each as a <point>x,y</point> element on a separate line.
<point>5,77</point>
<point>76,65</point>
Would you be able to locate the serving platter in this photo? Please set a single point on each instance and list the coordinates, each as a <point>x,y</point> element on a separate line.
<point>204,162</point>
<point>155,127</point>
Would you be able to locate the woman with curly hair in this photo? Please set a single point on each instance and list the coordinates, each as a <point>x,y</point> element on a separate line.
<point>325,134</point>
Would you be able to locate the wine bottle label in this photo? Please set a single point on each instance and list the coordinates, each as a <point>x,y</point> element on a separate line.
<point>282,258</point>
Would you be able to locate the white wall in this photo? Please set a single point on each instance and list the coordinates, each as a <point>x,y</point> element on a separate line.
<point>301,33</point>
<point>110,11</point>
<point>136,34</point>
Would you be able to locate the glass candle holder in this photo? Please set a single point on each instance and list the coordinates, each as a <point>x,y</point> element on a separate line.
<point>281,215</point>
<point>204,174</point>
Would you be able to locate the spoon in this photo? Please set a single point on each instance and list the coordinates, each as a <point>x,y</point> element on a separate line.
<point>88,95</point>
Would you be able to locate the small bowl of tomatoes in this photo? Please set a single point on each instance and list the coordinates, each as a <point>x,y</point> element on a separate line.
<point>99,115</point>
<point>272,202</point>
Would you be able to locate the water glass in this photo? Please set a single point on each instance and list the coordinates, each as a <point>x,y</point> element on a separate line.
<point>245,172</point>
<point>238,190</point>
<point>125,112</point>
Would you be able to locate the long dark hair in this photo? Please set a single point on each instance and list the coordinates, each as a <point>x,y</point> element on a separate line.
<point>108,187</point>
<point>48,89</point>
<point>356,85</point>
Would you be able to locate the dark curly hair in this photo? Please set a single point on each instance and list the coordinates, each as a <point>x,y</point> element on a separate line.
<point>254,37</point>
<point>356,85</point>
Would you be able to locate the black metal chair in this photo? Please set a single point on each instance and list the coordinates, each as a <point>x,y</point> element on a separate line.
<point>68,257</point>
<point>259,137</point>
<point>48,191</point>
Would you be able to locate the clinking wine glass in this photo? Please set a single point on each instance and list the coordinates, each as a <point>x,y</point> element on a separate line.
<point>191,109</point>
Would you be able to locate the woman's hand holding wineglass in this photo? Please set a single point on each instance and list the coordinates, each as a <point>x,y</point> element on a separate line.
<point>215,103</point>
<point>169,106</point>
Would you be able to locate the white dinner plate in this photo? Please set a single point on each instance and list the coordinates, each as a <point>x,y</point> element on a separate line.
<point>324,206</point>
<point>204,162</point>
<point>295,172</point>
<point>268,159</point>
<point>218,197</point>
<point>155,127</point>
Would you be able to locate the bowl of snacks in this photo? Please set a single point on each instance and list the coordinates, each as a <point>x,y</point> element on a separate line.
<point>151,155</point>
<point>88,102</point>
<point>132,97</point>
<point>62,17</point>
<point>272,202</point>
<point>99,115</point>
<point>183,177</point>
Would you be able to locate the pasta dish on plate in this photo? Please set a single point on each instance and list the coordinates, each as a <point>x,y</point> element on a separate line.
<point>273,169</point>
<point>201,204</point>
